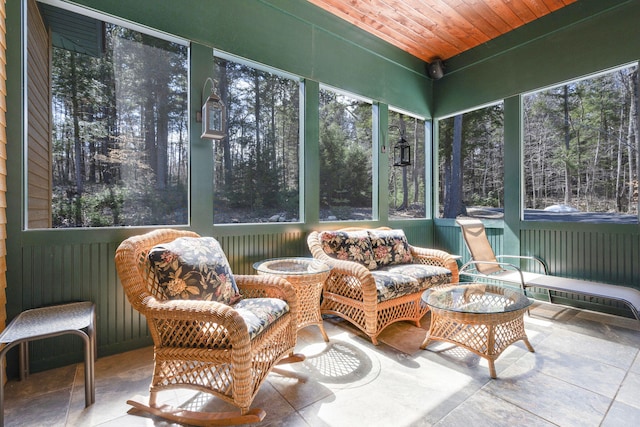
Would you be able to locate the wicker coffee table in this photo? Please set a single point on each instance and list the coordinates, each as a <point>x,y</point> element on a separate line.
<point>307,276</point>
<point>483,318</point>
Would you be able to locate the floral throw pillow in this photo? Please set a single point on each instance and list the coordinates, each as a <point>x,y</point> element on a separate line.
<point>194,268</point>
<point>349,246</point>
<point>390,247</point>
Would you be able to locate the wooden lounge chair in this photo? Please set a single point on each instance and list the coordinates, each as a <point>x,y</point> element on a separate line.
<point>485,264</point>
<point>202,341</point>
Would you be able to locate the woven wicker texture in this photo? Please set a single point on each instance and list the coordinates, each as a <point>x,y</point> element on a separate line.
<point>307,277</point>
<point>485,319</point>
<point>205,345</point>
<point>350,290</point>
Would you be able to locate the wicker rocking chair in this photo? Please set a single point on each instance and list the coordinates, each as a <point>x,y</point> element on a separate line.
<point>207,345</point>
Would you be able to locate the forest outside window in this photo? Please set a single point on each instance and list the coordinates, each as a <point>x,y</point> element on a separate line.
<point>581,150</point>
<point>407,185</point>
<point>257,164</point>
<point>346,141</point>
<point>471,163</point>
<point>116,152</point>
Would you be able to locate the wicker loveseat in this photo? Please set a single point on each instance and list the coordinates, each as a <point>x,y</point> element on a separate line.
<point>377,277</point>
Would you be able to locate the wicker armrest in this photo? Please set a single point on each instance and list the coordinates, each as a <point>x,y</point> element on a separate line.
<point>187,321</point>
<point>437,257</point>
<point>268,286</point>
<point>345,274</point>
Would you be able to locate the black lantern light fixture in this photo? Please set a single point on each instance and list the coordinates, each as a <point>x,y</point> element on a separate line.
<point>213,114</point>
<point>401,151</point>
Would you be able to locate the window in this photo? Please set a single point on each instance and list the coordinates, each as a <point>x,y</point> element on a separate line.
<point>471,156</point>
<point>346,124</point>
<point>257,166</point>
<point>581,150</point>
<point>407,186</point>
<point>117,150</point>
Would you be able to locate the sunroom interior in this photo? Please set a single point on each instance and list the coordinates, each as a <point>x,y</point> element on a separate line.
<point>49,262</point>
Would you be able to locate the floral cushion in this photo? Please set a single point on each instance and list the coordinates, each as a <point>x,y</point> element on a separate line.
<point>259,313</point>
<point>390,247</point>
<point>349,246</point>
<point>194,268</point>
<point>399,280</point>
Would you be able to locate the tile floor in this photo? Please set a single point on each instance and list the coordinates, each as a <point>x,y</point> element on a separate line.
<point>585,372</point>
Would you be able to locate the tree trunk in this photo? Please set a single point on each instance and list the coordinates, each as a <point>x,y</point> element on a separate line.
<point>77,145</point>
<point>453,202</point>
<point>567,141</point>
<point>162,136</point>
<point>226,147</point>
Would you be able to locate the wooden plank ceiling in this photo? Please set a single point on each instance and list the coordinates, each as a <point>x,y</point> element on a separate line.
<point>439,29</point>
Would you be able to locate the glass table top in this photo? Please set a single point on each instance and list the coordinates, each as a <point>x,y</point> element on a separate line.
<point>476,298</point>
<point>291,266</point>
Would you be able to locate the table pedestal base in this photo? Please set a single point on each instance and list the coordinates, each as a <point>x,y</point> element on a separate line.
<point>485,334</point>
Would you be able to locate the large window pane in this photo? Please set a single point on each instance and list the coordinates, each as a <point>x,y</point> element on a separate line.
<point>119,143</point>
<point>581,150</point>
<point>346,125</point>
<point>407,183</point>
<point>257,165</point>
<point>471,153</point>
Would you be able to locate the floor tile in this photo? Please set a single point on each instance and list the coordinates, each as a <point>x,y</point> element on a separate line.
<point>630,391</point>
<point>484,409</point>
<point>548,397</point>
<point>621,415</point>
<point>575,369</point>
<point>585,372</point>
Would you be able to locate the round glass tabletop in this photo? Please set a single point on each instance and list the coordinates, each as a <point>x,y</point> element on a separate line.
<point>476,298</point>
<point>291,266</point>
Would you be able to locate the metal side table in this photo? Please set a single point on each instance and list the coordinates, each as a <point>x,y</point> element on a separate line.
<point>46,322</point>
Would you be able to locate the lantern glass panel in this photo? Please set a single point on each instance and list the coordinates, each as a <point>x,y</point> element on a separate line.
<point>213,119</point>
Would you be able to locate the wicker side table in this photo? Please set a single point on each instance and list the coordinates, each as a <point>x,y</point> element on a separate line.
<point>485,319</point>
<point>307,276</point>
<point>46,322</point>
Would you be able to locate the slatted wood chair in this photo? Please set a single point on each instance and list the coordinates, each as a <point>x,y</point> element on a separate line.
<point>211,346</point>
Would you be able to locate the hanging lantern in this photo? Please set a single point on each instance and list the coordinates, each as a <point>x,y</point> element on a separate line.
<point>213,116</point>
<point>402,153</point>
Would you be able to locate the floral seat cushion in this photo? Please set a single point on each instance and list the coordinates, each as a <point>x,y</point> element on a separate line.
<point>194,268</point>
<point>390,247</point>
<point>349,246</point>
<point>259,313</point>
<point>398,280</point>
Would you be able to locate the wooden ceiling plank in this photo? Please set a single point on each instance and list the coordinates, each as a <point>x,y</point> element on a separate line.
<point>537,7</point>
<point>484,18</point>
<point>430,29</point>
<point>420,24</point>
<point>521,10</point>
<point>456,24</point>
<point>502,9</point>
<point>361,20</point>
<point>554,5</point>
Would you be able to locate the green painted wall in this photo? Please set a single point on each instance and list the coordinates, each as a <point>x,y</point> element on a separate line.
<point>49,266</point>
<point>52,266</point>
<point>586,37</point>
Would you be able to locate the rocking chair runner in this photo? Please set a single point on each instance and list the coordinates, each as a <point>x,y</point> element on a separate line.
<point>485,264</point>
<point>207,345</point>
